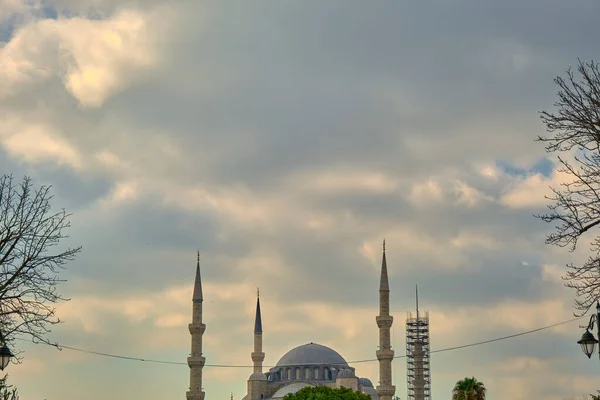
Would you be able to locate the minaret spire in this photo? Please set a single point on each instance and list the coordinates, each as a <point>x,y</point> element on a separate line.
<point>197,297</point>
<point>385,354</point>
<point>196,328</point>
<point>417,296</point>
<point>257,355</point>
<point>257,319</point>
<point>384,284</point>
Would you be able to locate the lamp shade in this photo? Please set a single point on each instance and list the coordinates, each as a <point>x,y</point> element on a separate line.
<point>587,342</point>
<point>5,356</point>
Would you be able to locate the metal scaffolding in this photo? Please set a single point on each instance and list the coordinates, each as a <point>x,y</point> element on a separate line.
<point>417,355</point>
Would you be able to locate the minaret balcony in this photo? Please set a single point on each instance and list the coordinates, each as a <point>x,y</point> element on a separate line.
<point>197,328</point>
<point>386,391</point>
<point>383,355</point>
<point>194,396</point>
<point>384,321</point>
<point>196,361</point>
<point>258,356</point>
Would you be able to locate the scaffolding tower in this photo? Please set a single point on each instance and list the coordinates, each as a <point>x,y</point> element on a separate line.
<point>417,355</point>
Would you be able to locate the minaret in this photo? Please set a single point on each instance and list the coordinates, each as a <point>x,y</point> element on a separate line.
<point>257,383</point>
<point>197,328</point>
<point>419,355</point>
<point>257,355</point>
<point>385,354</point>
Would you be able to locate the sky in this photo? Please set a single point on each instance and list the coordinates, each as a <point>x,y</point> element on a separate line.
<point>285,141</point>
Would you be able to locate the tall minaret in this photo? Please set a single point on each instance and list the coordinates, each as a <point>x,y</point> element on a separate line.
<point>197,328</point>
<point>257,355</point>
<point>418,355</point>
<point>257,383</point>
<point>385,354</point>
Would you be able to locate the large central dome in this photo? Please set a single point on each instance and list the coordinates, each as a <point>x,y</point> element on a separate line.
<point>311,354</point>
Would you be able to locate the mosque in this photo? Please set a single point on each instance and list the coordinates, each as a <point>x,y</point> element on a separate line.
<point>307,365</point>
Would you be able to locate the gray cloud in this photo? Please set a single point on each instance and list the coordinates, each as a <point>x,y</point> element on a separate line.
<point>250,102</point>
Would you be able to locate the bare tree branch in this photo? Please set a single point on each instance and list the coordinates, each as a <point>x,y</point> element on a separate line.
<point>30,260</point>
<point>575,205</point>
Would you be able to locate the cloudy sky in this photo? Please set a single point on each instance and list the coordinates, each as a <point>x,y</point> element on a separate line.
<point>285,140</point>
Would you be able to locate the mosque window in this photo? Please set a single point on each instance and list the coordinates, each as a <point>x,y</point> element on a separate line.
<point>289,374</point>
<point>297,373</point>
<point>306,373</point>
<point>327,374</point>
<point>316,373</point>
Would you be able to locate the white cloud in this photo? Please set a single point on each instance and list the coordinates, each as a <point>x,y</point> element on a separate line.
<point>475,240</point>
<point>468,195</point>
<point>426,193</point>
<point>341,180</point>
<point>94,58</point>
<point>489,171</point>
<point>446,188</point>
<point>553,273</point>
<point>531,190</point>
<point>414,244</point>
<point>13,8</point>
<point>510,316</point>
<point>123,192</point>
<point>37,143</point>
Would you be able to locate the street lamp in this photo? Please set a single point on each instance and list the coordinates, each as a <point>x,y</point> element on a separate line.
<point>5,353</point>
<point>588,341</point>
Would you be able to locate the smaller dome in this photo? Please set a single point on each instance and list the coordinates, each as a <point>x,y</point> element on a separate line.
<point>257,376</point>
<point>345,373</point>
<point>365,382</point>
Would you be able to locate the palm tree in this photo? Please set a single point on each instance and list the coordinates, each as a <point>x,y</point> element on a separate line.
<point>469,389</point>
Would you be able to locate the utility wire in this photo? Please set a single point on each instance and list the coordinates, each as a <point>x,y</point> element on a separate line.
<point>485,341</point>
<point>507,337</point>
<point>98,353</point>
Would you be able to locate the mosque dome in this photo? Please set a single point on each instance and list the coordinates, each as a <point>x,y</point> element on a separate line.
<point>365,382</point>
<point>311,354</point>
<point>346,373</point>
<point>257,376</point>
<point>291,388</point>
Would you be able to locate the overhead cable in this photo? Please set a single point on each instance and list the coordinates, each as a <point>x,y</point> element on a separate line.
<point>149,360</point>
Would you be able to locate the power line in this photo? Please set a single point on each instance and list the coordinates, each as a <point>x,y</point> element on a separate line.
<point>507,337</point>
<point>483,342</point>
<point>98,353</point>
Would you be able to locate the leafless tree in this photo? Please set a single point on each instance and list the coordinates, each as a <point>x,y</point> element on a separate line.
<point>30,260</point>
<point>575,207</point>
